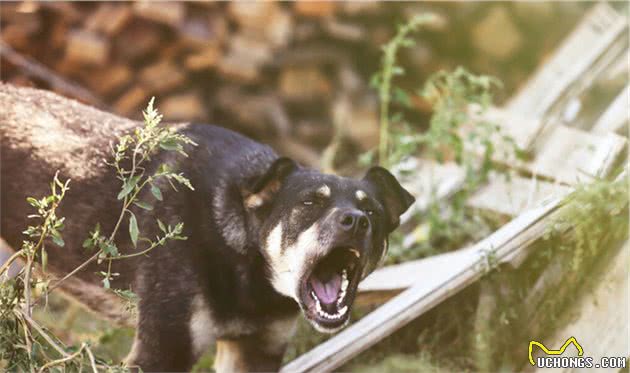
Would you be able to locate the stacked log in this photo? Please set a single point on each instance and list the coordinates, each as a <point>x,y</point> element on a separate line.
<point>276,71</point>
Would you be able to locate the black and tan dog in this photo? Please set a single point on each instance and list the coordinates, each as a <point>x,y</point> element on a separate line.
<point>266,237</point>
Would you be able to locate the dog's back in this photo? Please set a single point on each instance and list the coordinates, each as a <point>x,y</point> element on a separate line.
<point>42,133</point>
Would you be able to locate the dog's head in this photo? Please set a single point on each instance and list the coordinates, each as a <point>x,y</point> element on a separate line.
<point>321,234</point>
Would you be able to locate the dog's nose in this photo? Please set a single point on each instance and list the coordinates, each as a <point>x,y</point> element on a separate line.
<point>354,220</point>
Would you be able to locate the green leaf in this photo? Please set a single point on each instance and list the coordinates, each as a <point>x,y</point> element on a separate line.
<point>88,243</point>
<point>161,225</point>
<point>128,187</point>
<point>110,249</point>
<point>143,205</point>
<point>32,201</point>
<point>170,145</point>
<point>157,193</point>
<point>58,240</point>
<point>133,229</point>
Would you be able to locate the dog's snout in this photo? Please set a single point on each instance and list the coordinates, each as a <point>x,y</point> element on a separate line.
<point>354,220</point>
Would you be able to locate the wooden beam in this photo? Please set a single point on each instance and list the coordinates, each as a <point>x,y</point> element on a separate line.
<point>510,196</point>
<point>429,181</point>
<point>615,118</point>
<point>570,155</point>
<point>465,267</point>
<point>577,61</point>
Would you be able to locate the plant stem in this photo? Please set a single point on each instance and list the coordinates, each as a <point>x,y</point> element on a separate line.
<point>388,66</point>
<point>62,360</point>
<point>41,331</point>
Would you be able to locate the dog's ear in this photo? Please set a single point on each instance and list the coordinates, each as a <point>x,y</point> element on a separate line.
<point>396,200</point>
<point>264,188</point>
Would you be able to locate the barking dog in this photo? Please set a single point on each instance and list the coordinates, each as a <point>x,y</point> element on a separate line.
<point>266,237</point>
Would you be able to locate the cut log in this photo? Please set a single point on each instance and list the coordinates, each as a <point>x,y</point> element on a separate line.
<point>199,33</point>
<point>107,80</point>
<point>170,13</point>
<point>187,106</point>
<point>109,18</point>
<point>252,16</point>
<point>233,66</point>
<point>344,30</point>
<point>318,9</point>
<point>206,59</point>
<point>162,77</point>
<point>130,102</point>
<point>303,83</point>
<point>87,48</point>
<point>138,40</point>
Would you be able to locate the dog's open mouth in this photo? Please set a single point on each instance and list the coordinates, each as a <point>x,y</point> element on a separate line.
<point>329,289</point>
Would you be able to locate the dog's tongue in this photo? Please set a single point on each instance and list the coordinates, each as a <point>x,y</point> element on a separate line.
<point>327,291</point>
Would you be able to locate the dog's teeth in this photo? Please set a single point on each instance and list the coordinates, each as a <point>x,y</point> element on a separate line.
<point>314,296</point>
<point>342,311</point>
<point>344,287</point>
<point>344,280</point>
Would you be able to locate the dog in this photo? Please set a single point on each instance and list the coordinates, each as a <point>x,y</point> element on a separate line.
<point>267,237</point>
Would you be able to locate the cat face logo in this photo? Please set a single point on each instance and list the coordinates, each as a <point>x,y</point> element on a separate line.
<point>554,352</point>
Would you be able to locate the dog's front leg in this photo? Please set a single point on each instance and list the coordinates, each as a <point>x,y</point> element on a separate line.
<point>259,352</point>
<point>245,355</point>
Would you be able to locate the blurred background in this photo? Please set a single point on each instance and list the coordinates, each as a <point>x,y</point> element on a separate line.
<point>297,76</point>
<point>274,71</point>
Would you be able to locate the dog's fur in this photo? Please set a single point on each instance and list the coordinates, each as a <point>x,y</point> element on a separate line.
<point>261,231</point>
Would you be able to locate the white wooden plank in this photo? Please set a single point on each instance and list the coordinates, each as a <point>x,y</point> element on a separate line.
<point>434,288</point>
<point>522,129</point>
<point>566,154</point>
<point>617,116</point>
<point>514,195</point>
<point>600,322</point>
<point>571,156</point>
<point>429,180</point>
<point>404,275</point>
<point>594,36</point>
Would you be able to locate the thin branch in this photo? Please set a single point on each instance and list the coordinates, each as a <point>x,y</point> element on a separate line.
<point>62,360</point>
<point>5,266</point>
<point>74,271</point>
<point>41,331</point>
<point>91,357</point>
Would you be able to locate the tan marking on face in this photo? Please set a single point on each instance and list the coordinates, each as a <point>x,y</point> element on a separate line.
<point>253,201</point>
<point>324,191</point>
<point>360,195</point>
<point>287,264</point>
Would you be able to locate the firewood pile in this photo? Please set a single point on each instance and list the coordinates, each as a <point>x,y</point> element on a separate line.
<point>284,73</point>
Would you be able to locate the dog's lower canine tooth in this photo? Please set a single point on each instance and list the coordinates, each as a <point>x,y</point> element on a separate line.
<point>355,252</point>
